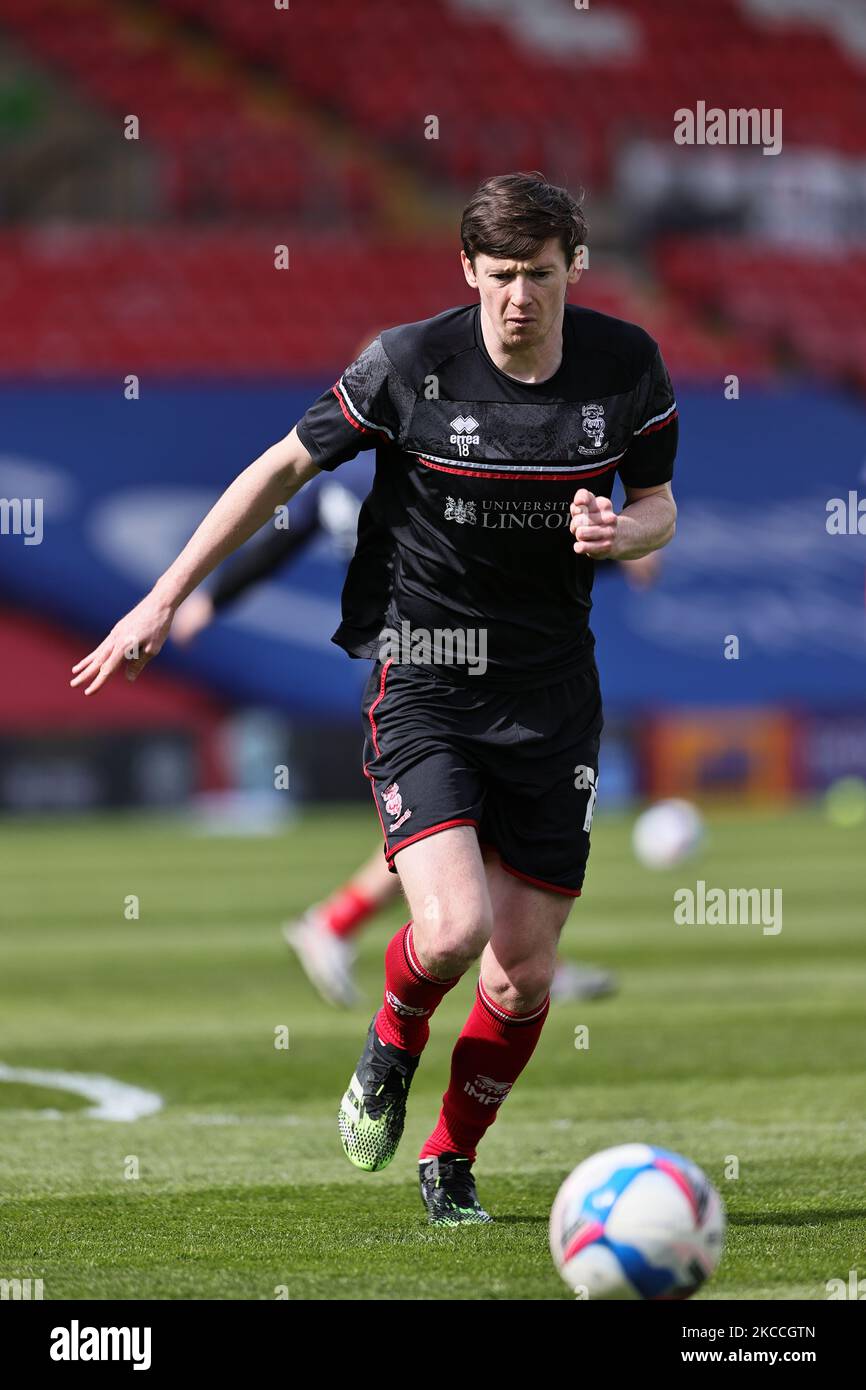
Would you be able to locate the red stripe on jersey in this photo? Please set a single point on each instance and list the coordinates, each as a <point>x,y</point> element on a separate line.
<point>525,477</point>
<point>651,429</point>
<point>363,429</point>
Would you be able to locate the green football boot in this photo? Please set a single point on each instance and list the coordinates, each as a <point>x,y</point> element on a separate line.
<point>448,1192</point>
<point>373,1110</point>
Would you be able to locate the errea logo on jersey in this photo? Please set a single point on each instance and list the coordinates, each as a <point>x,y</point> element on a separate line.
<point>465,425</point>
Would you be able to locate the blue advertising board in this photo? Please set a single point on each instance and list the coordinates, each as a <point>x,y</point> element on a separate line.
<point>756,559</point>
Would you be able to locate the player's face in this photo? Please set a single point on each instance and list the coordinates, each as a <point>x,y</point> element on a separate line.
<point>523,300</point>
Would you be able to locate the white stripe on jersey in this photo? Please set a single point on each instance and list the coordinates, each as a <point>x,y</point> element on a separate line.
<point>505,465</point>
<point>368,424</point>
<point>655,419</point>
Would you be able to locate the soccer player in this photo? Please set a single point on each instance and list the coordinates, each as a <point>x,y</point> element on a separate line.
<point>500,427</point>
<point>323,936</point>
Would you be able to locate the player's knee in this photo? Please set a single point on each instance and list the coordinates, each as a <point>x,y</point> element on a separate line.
<point>524,986</point>
<point>457,938</point>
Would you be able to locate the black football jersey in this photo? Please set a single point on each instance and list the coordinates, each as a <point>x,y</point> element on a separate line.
<point>466,526</point>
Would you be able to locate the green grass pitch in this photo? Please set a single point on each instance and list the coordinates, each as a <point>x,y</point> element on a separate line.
<point>723,1043</point>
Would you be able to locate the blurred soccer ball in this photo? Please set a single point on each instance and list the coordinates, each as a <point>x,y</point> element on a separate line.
<point>667,834</point>
<point>845,802</point>
<point>636,1222</point>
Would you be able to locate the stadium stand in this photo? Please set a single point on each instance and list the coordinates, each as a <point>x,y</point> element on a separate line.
<point>80,301</point>
<point>254,146</point>
<point>229,144</point>
<point>802,306</point>
<point>457,60</point>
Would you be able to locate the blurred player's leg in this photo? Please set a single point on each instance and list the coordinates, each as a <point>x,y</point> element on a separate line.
<point>369,890</point>
<point>322,937</point>
<point>572,982</point>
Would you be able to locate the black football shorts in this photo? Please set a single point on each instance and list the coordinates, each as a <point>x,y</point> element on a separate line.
<point>520,766</point>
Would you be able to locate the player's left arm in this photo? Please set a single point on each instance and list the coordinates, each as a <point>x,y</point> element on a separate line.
<point>648,519</point>
<point>646,523</point>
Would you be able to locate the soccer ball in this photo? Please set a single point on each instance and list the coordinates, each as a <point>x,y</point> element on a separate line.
<point>636,1222</point>
<point>667,833</point>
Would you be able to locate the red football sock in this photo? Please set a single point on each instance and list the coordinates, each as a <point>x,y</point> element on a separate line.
<point>489,1055</point>
<point>411,995</point>
<point>345,910</point>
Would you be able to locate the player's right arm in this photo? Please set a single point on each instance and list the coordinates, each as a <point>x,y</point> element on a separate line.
<point>269,482</point>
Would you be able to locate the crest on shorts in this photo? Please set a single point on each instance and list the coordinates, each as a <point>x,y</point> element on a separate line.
<point>392,799</point>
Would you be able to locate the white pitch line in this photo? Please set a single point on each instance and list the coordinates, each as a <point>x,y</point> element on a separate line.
<point>115,1099</point>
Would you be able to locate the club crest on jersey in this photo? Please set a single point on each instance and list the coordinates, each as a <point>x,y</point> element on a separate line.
<point>465,427</point>
<point>594,426</point>
<point>456,509</point>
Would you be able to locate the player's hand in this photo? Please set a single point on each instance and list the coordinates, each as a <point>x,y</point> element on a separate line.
<point>593,524</point>
<point>193,616</point>
<point>131,642</point>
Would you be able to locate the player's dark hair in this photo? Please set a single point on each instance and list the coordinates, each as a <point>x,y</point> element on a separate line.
<point>511,215</point>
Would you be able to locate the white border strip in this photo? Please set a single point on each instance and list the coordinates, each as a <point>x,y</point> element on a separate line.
<point>115,1099</point>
